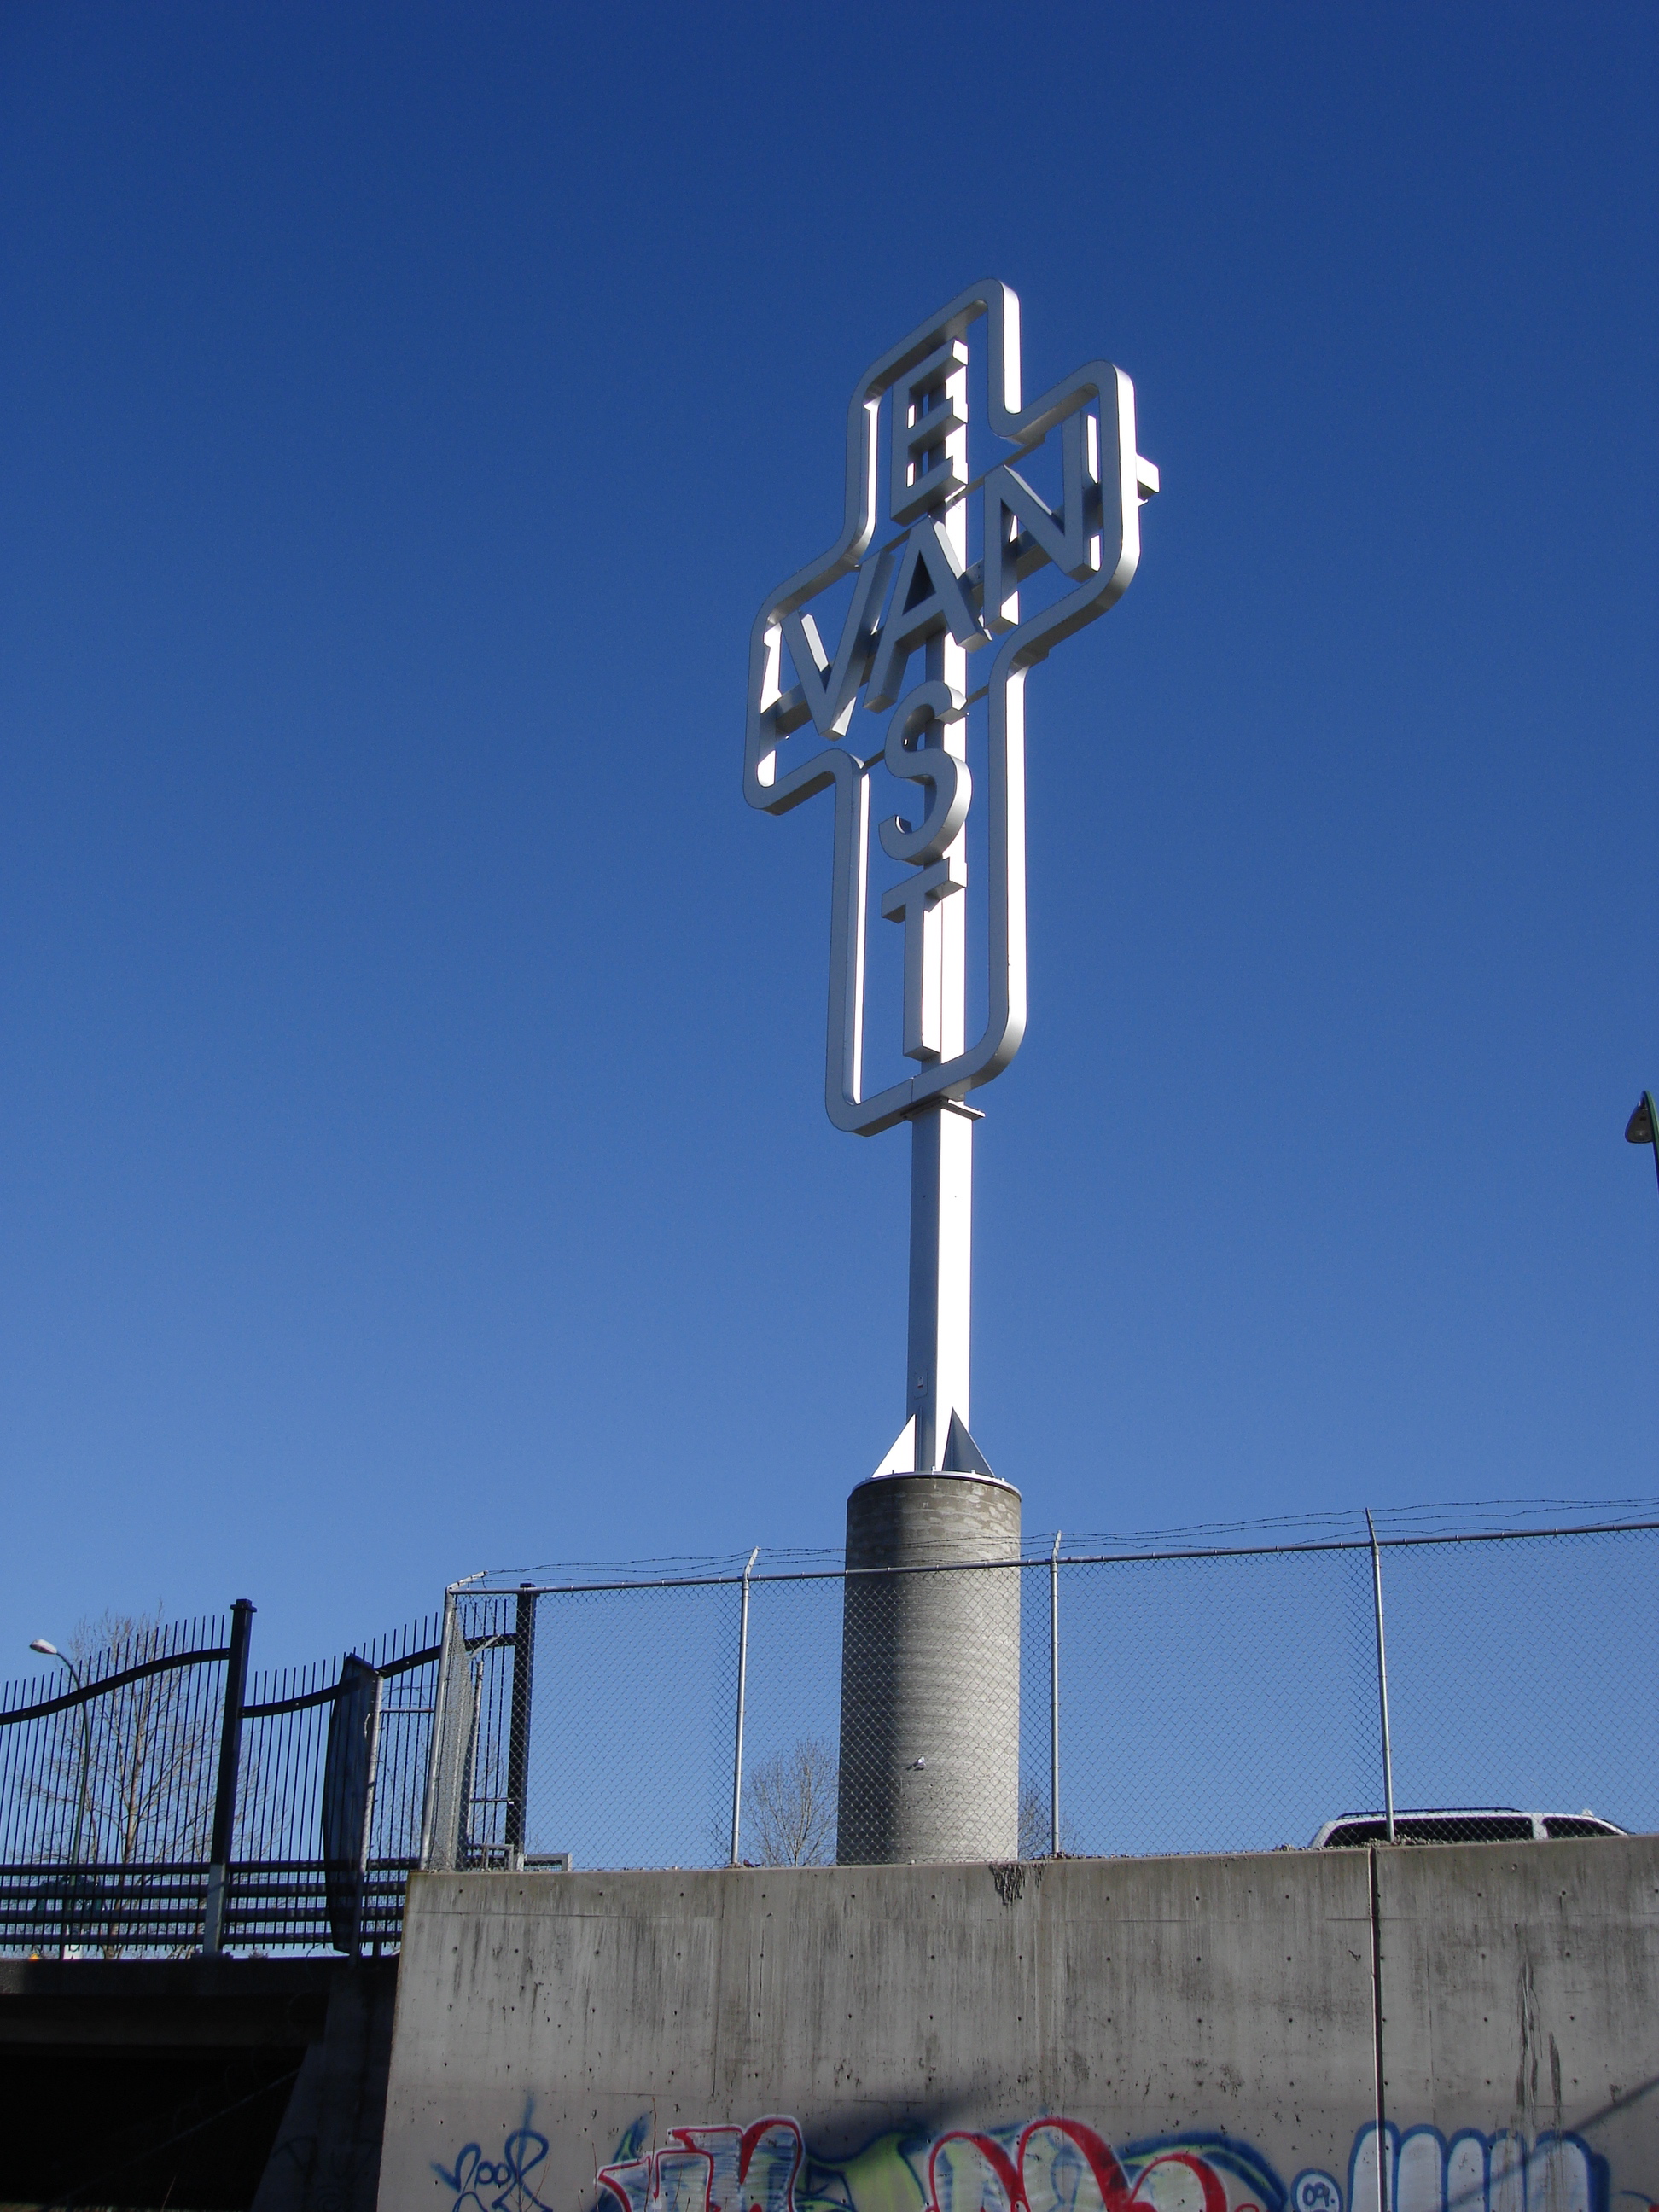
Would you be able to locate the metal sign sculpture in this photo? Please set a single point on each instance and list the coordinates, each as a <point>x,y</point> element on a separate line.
<point>920,594</point>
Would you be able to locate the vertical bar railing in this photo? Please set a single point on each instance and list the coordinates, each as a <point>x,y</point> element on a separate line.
<point>743,1686</point>
<point>1381,1676</point>
<point>1054,1700</point>
<point>71,1892</point>
<point>224,1797</point>
<point>518,1741</point>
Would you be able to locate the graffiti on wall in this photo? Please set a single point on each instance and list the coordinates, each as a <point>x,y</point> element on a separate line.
<point>1048,2165</point>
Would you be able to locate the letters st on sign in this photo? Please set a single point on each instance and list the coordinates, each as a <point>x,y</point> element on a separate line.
<point>969,548</point>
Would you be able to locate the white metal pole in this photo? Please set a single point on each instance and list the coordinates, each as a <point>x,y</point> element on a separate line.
<point>942,1134</point>
<point>1381,1675</point>
<point>941,1274</point>
<point>1054,1700</point>
<point>743,1686</point>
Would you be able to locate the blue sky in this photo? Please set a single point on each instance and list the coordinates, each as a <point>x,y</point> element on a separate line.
<point>412,1152</point>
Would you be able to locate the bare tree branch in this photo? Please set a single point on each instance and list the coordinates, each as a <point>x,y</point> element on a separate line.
<point>791,1805</point>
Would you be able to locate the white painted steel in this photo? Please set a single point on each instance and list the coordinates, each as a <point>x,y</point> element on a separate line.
<point>941,1276</point>
<point>743,1691</point>
<point>1381,1676</point>
<point>919,592</point>
<point>1054,1700</point>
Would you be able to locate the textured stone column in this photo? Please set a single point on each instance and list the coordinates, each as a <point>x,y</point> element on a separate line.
<point>930,1671</point>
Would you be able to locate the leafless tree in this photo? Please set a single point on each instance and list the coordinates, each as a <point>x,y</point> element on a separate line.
<point>1034,1829</point>
<point>1033,1823</point>
<point>791,1815</point>
<point>151,1794</point>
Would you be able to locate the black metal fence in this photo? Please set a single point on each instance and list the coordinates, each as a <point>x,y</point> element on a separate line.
<point>162,1801</point>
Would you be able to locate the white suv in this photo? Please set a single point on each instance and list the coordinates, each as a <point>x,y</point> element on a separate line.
<point>1499,1824</point>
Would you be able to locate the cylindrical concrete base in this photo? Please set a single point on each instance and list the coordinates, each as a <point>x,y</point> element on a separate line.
<point>930,1671</point>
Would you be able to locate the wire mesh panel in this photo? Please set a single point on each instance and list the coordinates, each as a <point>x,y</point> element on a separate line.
<point>1034,1814</point>
<point>1523,1672</point>
<point>1215,1703</point>
<point>792,1723</point>
<point>1126,1700</point>
<point>631,1728</point>
<point>1140,1701</point>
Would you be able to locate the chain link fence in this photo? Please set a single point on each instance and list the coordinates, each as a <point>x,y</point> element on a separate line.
<point>1142,1701</point>
<point>1085,1698</point>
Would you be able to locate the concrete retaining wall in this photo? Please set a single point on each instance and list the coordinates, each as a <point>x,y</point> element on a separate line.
<point>1186,2035</point>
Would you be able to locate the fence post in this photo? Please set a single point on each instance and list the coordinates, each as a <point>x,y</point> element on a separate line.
<point>435,1744</point>
<point>224,1796</point>
<point>1054,1700</point>
<point>743,1685</point>
<point>518,1741</point>
<point>1381,1677</point>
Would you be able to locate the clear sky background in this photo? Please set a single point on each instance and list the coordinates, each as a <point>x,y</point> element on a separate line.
<point>412,1152</point>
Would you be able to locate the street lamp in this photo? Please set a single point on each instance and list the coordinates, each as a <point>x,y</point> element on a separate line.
<point>1642,1127</point>
<point>50,1652</point>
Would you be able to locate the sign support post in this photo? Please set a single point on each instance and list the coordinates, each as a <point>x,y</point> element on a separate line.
<point>923,594</point>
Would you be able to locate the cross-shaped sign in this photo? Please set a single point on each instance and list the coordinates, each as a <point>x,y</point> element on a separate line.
<point>918,594</point>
